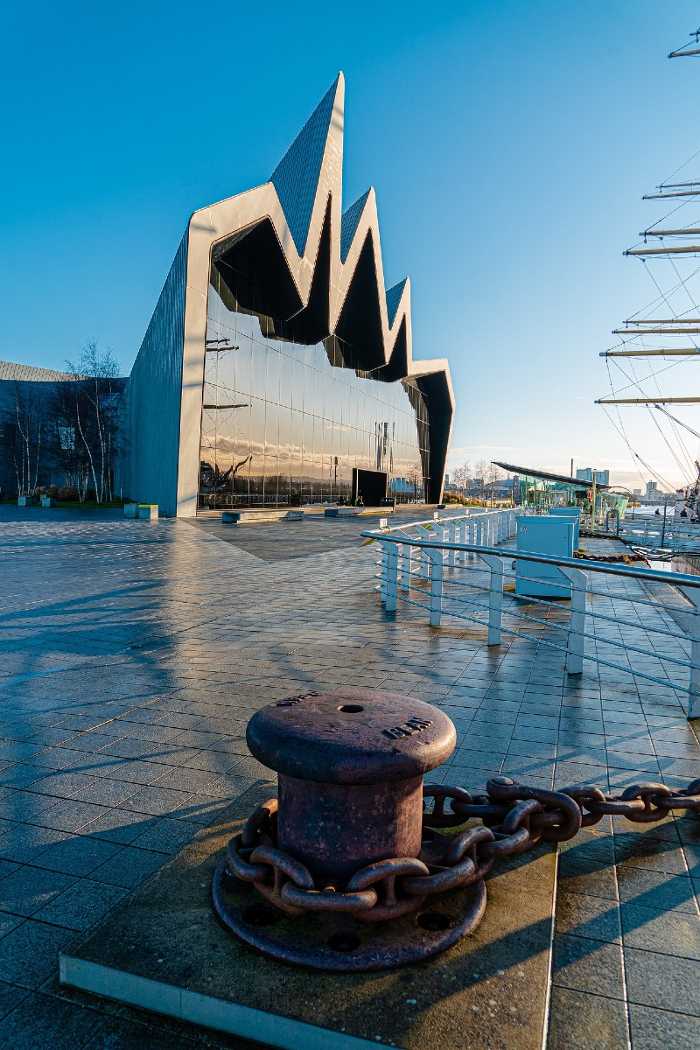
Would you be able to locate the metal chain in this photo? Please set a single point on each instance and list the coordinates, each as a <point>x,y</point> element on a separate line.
<point>515,817</point>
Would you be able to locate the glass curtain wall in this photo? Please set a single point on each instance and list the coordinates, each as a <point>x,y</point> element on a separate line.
<point>285,424</point>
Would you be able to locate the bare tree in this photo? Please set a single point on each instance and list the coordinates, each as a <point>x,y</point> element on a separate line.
<point>96,408</point>
<point>24,432</point>
<point>462,475</point>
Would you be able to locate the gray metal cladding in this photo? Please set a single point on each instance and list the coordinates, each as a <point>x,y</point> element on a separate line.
<point>154,393</point>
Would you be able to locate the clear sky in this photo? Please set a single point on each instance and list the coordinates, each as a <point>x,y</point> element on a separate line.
<point>509,143</point>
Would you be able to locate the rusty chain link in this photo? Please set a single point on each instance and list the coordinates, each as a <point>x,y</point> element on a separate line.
<point>515,817</point>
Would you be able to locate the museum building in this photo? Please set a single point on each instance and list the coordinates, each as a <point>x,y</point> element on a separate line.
<point>277,369</point>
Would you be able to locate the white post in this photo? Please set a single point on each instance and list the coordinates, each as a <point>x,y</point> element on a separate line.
<point>693,632</point>
<point>406,556</point>
<point>435,585</point>
<point>495,597</point>
<point>391,564</point>
<point>576,642</point>
<point>452,537</point>
<point>382,563</point>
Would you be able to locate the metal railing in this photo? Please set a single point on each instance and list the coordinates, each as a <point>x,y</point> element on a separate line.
<point>611,614</point>
<point>486,527</point>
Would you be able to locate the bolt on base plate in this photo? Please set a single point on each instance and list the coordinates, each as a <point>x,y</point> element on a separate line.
<point>328,941</point>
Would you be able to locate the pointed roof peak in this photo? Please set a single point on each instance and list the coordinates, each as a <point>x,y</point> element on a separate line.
<point>393,298</point>
<point>349,223</point>
<point>297,175</point>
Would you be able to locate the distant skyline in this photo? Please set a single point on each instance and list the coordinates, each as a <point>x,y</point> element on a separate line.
<point>509,145</point>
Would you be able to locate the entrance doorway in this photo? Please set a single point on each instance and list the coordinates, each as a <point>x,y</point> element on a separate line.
<point>370,484</point>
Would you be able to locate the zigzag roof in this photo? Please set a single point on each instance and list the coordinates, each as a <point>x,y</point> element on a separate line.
<point>303,204</point>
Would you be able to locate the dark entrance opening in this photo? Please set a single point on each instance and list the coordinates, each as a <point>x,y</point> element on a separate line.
<point>370,484</point>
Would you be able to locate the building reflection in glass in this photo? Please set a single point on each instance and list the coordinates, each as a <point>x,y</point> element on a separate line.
<point>285,423</point>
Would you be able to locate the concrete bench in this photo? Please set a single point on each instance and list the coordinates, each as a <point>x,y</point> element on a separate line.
<point>294,515</point>
<point>148,511</point>
<point>341,512</point>
<point>230,517</point>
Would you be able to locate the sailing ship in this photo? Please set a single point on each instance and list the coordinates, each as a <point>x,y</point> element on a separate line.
<point>671,338</point>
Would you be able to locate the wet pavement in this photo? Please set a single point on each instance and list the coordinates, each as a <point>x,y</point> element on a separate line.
<point>132,655</point>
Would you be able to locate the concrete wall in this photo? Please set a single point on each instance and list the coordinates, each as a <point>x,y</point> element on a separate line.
<point>154,395</point>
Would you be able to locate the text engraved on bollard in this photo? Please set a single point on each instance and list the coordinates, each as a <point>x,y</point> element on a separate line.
<point>407,728</point>
<point>290,701</point>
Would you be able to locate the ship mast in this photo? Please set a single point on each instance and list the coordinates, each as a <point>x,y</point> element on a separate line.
<point>669,246</point>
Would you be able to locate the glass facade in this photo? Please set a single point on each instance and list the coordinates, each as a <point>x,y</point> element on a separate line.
<point>288,424</point>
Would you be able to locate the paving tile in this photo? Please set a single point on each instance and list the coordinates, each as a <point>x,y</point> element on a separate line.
<point>28,955</point>
<point>588,966</point>
<point>660,1029</point>
<point>77,855</point>
<point>82,905</point>
<point>653,978</point>
<point>119,825</point>
<point>661,931</point>
<point>10,997</point>
<point>129,867</point>
<point>159,800</point>
<point>657,890</point>
<point>69,815</point>
<point>583,916</point>
<point>9,922</point>
<point>581,875</point>
<point>25,842</point>
<point>41,1021</point>
<point>581,1021</point>
<point>28,889</point>
<point>166,835</point>
<point>645,851</point>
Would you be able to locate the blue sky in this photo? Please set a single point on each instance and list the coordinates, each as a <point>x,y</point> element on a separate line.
<point>509,144</point>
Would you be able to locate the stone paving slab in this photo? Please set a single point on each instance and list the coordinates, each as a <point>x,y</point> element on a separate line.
<point>151,644</point>
<point>164,950</point>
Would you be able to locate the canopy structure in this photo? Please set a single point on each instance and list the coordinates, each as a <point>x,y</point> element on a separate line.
<point>542,489</point>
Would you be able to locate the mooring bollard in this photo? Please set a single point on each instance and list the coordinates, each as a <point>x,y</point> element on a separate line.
<point>350,769</point>
<point>345,872</point>
<point>346,839</point>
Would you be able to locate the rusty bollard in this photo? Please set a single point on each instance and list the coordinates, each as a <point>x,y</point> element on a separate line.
<point>341,861</point>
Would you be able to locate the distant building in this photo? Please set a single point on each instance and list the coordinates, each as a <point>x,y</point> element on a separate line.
<point>652,490</point>
<point>447,481</point>
<point>636,492</point>
<point>602,477</point>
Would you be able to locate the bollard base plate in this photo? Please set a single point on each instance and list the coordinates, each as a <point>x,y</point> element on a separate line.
<point>163,950</point>
<point>324,941</point>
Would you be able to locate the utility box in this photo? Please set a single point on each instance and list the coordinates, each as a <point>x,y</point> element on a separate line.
<point>549,535</point>
<point>574,513</point>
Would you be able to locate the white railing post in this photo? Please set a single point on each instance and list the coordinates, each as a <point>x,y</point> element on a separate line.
<point>451,536</point>
<point>575,645</point>
<point>406,557</point>
<point>391,565</point>
<point>435,585</point>
<point>381,562</point>
<point>693,632</point>
<point>495,597</point>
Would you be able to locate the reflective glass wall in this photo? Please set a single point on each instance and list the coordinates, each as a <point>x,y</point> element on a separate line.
<point>284,423</point>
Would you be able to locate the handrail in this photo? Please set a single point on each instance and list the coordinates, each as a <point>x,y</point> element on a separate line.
<point>444,559</point>
<point>480,513</point>
<point>678,579</point>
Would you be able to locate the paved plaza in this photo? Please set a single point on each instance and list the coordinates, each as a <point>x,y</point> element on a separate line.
<point>133,654</point>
